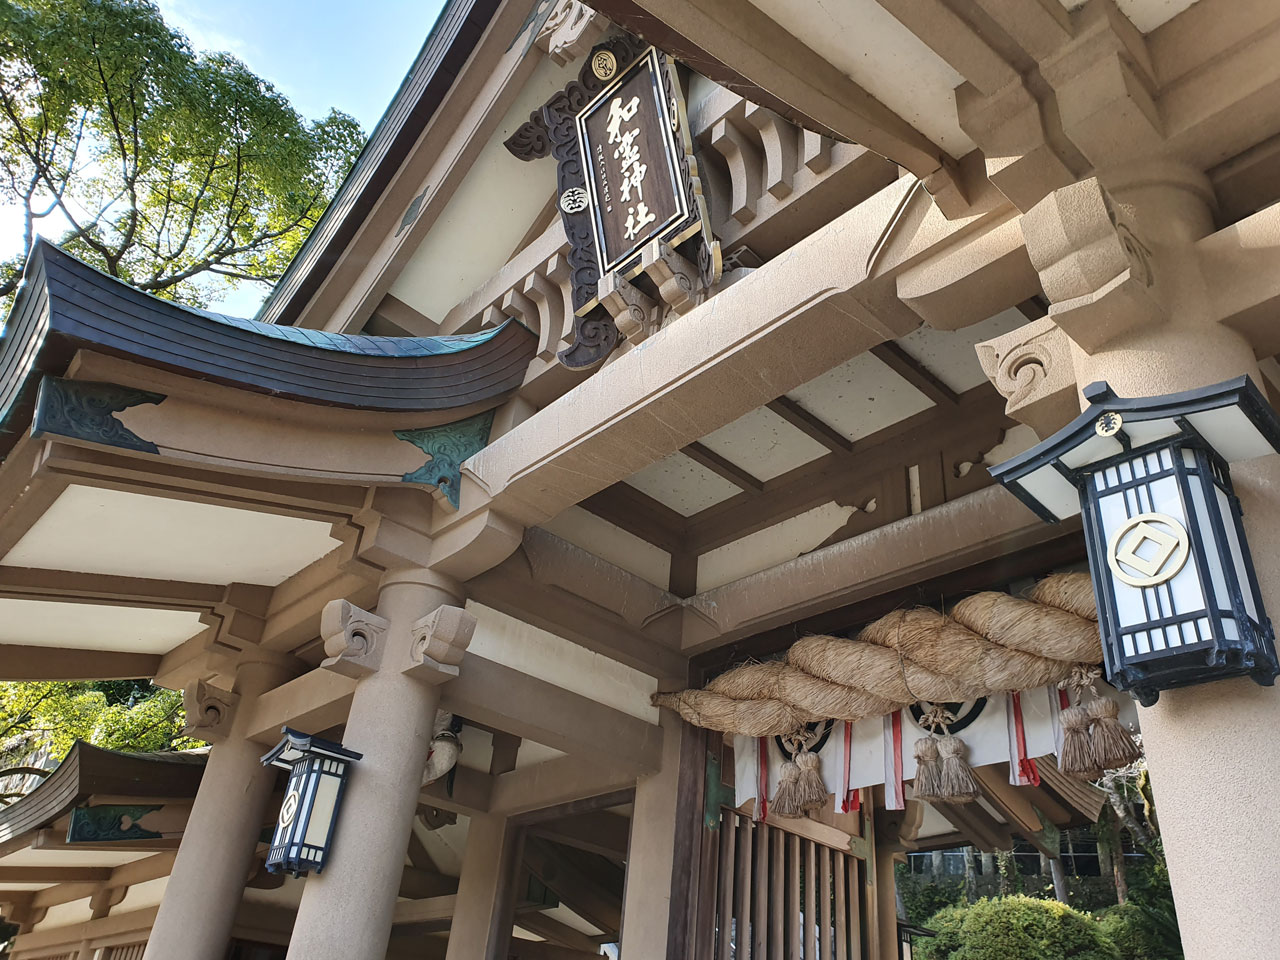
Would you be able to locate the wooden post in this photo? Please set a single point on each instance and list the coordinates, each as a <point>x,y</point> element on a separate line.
<point>481,927</point>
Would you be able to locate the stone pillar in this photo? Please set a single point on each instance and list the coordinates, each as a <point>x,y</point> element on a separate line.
<point>401,655</point>
<point>204,890</point>
<point>481,927</point>
<point>1129,288</point>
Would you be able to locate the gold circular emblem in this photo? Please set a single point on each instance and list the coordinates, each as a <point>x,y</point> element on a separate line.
<point>574,200</point>
<point>1109,424</point>
<point>604,64</point>
<point>1148,550</point>
<point>289,808</point>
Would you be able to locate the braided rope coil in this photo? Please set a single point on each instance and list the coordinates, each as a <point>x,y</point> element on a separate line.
<point>989,643</point>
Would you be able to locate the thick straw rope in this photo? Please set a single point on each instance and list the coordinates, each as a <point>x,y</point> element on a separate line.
<point>990,643</point>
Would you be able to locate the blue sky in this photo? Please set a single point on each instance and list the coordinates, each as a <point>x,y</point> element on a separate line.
<point>319,53</point>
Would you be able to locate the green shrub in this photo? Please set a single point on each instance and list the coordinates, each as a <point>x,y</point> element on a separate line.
<point>1016,928</point>
<point>922,896</point>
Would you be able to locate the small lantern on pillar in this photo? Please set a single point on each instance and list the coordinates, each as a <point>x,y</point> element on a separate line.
<point>1177,595</point>
<point>317,777</point>
<point>906,933</point>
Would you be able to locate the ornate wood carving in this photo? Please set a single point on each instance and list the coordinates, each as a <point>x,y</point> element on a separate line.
<point>352,638</point>
<point>552,131</point>
<point>448,446</point>
<point>85,410</point>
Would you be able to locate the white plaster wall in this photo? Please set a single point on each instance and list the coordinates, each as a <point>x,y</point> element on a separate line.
<point>488,214</point>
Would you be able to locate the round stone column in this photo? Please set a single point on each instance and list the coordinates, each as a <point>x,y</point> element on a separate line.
<point>1212,750</point>
<point>205,888</point>
<point>346,910</point>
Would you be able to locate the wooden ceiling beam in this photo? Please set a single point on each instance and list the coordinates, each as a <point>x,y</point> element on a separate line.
<point>723,468</point>
<point>19,662</point>
<point>915,373</point>
<point>54,874</point>
<point>640,515</point>
<point>577,890</point>
<point>837,476</point>
<point>559,934</point>
<point>600,832</point>
<point>811,425</point>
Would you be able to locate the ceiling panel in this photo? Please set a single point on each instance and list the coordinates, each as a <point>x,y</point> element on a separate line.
<point>860,397</point>
<point>1146,15</point>
<point>95,530</point>
<point>683,485</point>
<point>93,626</point>
<point>763,444</point>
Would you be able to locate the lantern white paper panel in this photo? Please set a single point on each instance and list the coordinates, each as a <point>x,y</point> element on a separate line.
<point>1180,596</point>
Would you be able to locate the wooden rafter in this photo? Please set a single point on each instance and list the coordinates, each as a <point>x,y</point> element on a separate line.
<point>915,373</point>
<point>722,467</point>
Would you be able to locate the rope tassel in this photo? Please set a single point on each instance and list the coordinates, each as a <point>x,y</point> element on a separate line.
<point>1111,746</point>
<point>1077,758</point>
<point>928,782</point>
<point>958,783</point>
<point>786,799</point>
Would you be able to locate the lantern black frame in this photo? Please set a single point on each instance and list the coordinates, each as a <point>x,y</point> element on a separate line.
<point>1184,454</point>
<point>287,854</point>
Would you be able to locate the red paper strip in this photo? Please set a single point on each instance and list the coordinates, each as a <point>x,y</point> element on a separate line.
<point>1026,766</point>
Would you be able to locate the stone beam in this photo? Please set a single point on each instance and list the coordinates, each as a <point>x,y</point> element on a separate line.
<point>312,702</point>
<point>954,535</point>
<point>830,298</point>
<point>498,696</point>
<point>554,782</point>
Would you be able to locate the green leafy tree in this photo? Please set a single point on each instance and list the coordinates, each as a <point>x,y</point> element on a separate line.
<point>42,720</point>
<point>172,168</point>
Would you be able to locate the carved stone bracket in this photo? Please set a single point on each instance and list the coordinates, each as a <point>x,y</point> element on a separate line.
<point>210,711</point>
<point>439,641</point>
<point>1032,369</point>
<point>84,410</point>
<point>633,313</point>
<point>569,31</point>
<point>353,638</point>
<point>1093,265</point>
<point>679,282</point>
<point>448,446</point>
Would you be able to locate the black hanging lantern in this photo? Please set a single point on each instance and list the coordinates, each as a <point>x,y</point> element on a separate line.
<point>317,778</point>
<point>1178,600</point>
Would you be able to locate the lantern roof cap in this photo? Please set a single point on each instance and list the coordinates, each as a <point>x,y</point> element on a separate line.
<point>1231,418</point>
<point>296,745</point>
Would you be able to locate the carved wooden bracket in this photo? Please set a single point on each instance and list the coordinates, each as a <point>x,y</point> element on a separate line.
<point>440,639</point>
<point>551,130</point>
<point>1093,266</point>
<point>353,638</point>
<point>210,711</point>
<point>1032,369</point>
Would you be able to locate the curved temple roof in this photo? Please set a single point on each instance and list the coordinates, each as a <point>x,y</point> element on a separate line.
<point>64,305</point>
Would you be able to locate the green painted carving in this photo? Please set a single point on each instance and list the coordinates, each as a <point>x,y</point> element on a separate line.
<point>108,823</point>
<point>85,410</point>
<point>717,793</point>
<point>447,445</point>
